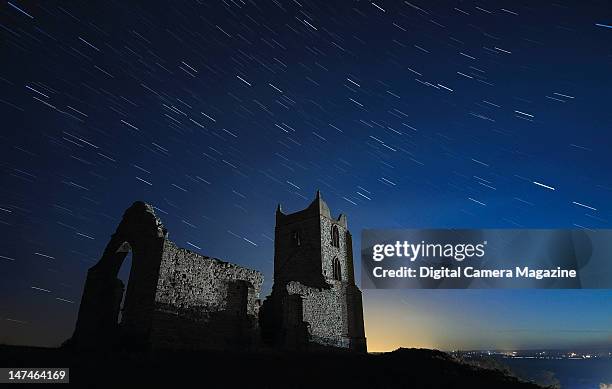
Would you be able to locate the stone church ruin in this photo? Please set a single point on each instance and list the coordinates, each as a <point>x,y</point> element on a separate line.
<point>178,299</point>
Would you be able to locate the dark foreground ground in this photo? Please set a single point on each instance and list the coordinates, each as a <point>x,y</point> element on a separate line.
<point>403,368</point>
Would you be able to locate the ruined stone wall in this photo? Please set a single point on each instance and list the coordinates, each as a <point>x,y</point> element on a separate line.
<point>175,298</point>
<point>188,279</point>
<point>203,302</point>
<point>325,312</point>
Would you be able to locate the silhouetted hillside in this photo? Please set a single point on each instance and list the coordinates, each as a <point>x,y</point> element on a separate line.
<point>403,368</point>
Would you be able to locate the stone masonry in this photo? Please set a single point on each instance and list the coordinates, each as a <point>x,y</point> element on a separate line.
<point>179,299</point>
<point>314,300</point>
<point>175,298</point>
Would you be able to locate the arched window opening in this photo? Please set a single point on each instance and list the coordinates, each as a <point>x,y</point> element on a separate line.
<point>337,270</point>
<point>105,294</point>
<point>296,238</point>
<point>335,236</point>
<point>124,273</point>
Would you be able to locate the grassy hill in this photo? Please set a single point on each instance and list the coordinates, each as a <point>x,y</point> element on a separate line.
<point>403,368</point>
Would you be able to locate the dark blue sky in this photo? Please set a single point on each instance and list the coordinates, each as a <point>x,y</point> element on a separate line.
<point>405,114</point>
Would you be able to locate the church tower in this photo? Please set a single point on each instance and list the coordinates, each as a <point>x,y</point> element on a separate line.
<point>314,300</point>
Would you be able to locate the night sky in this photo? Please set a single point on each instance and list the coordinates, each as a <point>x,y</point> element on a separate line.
<point>404,114</point>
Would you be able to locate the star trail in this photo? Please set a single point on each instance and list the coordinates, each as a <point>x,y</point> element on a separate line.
<point>404,114</point>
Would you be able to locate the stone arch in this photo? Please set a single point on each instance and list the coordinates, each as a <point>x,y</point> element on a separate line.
<point>335,236</point>
<point>337,269</point>
<point>142,233</point>
<point>296,238</point>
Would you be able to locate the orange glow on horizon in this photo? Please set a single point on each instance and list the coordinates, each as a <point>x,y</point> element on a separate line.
<point>388,329</point>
